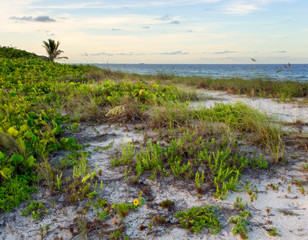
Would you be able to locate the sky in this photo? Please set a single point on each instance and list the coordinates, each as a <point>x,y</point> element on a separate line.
<point>156,31</point>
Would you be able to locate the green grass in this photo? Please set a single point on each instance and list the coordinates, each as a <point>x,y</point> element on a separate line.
<point>223,120</point>
<point>257,127</point>
<point>259,87</point>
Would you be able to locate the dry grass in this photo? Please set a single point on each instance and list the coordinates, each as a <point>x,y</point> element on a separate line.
<point>129,111</point>
<point>9,144</point>
<point>169,115</point>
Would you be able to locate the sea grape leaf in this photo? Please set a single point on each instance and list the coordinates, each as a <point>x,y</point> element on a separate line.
<point>17,158</point>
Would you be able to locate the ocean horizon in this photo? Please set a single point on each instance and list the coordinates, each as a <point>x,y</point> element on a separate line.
<point>293,72</point>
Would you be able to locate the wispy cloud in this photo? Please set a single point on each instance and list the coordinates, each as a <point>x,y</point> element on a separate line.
<point>168,18</point>
<point>175,22</point>
<point>243,7</point>
<point>34,19</point>
<point>125,54</point>
<point>282,51</point>
<point>165,18</point>
<point>101,54</point>
<point>123,4</point>
<point>225,52</point>
<point>112,54</point>
<point>174,53</point>
<point>115,29</point>
<point>138,54</point>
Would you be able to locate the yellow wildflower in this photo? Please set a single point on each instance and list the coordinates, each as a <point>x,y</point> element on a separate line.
<point>136,202</point>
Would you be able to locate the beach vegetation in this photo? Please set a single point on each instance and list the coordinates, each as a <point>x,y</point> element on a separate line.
<point>272,231</point>
<point>13,53</point>
<point>44,104</point>
<point>257,87</point>
<point>166,204</point>
<point>241,222</point>
<point>197,218</point>
<point>35,210</point>
<point>184,156</point>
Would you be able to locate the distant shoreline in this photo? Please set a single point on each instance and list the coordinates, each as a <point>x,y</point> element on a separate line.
<point>293,72</point>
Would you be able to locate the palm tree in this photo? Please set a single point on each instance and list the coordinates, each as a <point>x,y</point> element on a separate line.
<point>52,49</point>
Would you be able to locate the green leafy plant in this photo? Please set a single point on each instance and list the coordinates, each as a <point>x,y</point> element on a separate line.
<point>272,231</point>
<point>123,208</point>
<point>239,204</point>
<point>117,235</point>
<point>198,217</point>
<point>258,162</point>
<point>35,210</point>
<point>241,222</point>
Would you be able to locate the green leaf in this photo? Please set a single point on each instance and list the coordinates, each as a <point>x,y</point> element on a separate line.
<point>6,172</point>
<point>1,155</point>
<point>17,159</point>
<point>30,161</point>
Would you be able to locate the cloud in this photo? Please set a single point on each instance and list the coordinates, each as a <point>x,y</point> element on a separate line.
<point>125,54</point>
<point>43,19</point>
<point>146,27</point>
<point>283,51</point>
<point>138,54</point>
<point>225,52</point>
<point>241,9</point>
<point>111,54</point>
<point>48,33</point>
<point>122,5</point>
<point>165,18</point>
<point>115,29</point>
<point>168,18</point>
<point>32,19</point>
<point>101,54</point>
<point>174,53</point>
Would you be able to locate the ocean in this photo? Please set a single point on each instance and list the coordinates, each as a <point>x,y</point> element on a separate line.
<point>293,72</point>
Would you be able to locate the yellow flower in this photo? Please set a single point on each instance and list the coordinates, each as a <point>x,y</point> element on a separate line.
<point>136,202</point>
<point>12,131</point>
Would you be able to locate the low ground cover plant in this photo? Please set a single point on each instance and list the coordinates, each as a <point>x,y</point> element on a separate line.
<point>30,123</point>
<point>188,157</point>
<point>197,218</point>
<point>35,210</point>
<point>34,94</point>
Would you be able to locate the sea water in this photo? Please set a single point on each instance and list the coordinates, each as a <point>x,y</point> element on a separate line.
<point>294,72</point>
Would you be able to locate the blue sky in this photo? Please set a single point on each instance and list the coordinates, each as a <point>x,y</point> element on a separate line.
<point>156,31</point>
